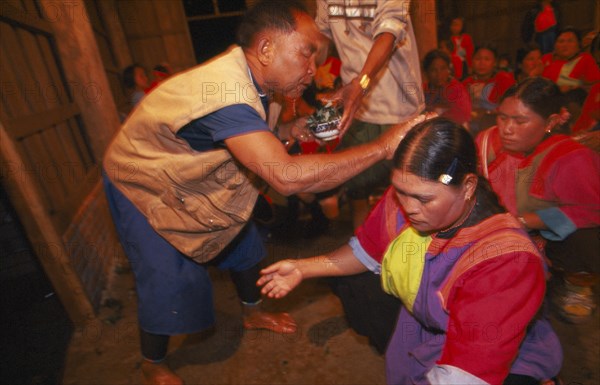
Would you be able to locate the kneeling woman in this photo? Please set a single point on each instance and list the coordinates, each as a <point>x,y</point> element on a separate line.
<point>471,281</point>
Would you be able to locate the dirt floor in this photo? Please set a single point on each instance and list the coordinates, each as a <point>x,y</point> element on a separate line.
<point>323,351</point>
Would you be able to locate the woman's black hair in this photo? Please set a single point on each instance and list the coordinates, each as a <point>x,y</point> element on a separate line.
<point>539,94</point>
<point>437,147</point>
<point>268,14</point>
<point>435,54</point>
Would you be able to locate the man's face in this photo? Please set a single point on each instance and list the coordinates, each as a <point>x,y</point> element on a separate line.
<point>566,45</point>
<point>293,65</point>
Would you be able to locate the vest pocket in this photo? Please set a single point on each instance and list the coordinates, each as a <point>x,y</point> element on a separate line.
<point>189,213</point>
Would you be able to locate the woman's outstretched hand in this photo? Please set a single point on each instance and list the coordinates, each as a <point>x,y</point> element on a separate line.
<point>279,279</point>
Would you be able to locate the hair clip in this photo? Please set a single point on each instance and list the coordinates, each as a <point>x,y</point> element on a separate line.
<point>447,177</point>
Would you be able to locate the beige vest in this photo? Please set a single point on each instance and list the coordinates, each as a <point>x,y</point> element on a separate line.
<point>197,201</point>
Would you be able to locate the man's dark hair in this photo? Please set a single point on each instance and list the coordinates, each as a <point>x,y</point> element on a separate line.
<point>268,14</point>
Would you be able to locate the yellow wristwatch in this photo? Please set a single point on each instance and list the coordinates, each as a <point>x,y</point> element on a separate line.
<point>364,82</point>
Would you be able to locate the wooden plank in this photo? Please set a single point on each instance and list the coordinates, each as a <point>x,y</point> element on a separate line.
<point>24,126</point>
<point>34,159</point>
<point>59,161</point>
<point>13,102</point>
<point>18,67</point>
<point>76,165</point>
<point>24,19</point>
<point>66,211</point>
<point>49,97</point>
<point>215,16</point>
<point>114,27</point>
<point>50,62</point>
<point>82,144</point>
<point>154,34</point>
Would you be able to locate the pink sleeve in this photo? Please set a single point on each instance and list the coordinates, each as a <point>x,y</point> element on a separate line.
<point>591,72</point>
<point>490,307</point>
<point>460,102</point>
<point>374,234</point>
<point>504,80</point>
<point>574,184</point>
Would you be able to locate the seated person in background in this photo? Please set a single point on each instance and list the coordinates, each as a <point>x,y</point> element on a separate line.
<point>504,63</point>
<point>486,85</point>
<point>443,93</point>
<point>459,68</point>
<point>550,183</point>
<point>573,70</point>
<point>160,72</point>
<point>135,81</point>
<point>451,261</point>
<point>529,62</point>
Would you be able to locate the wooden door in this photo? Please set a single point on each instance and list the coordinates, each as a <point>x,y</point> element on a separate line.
<point>49,162</point>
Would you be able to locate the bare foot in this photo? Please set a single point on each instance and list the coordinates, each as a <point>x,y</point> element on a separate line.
<point>159,374</point>
<point>281,323</point>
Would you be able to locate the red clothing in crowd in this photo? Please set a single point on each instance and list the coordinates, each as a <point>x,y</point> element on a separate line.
<point>452,101</point>
<point>580,70</point>
<point>487,93</point>
<point>463,47</point>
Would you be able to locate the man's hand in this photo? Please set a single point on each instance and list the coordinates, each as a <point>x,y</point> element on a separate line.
<point>351,97</point>
<point>279,279</point>
<point>392,137</point>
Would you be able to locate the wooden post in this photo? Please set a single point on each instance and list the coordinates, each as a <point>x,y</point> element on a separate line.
<point>424,20</point>
<point>84,70</point>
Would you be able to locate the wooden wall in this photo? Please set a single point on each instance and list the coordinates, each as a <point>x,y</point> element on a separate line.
<point>156,32</point>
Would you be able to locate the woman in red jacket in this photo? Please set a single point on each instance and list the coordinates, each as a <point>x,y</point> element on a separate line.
<point>485,87</point>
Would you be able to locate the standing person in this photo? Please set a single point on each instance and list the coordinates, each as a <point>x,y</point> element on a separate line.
<point>470,279</point>
<point>463,42</point>
<point>540,25</point>
<point>381,76</point>
<point>181,177</point>
<point>550,182</point>
<point>382,86</point>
